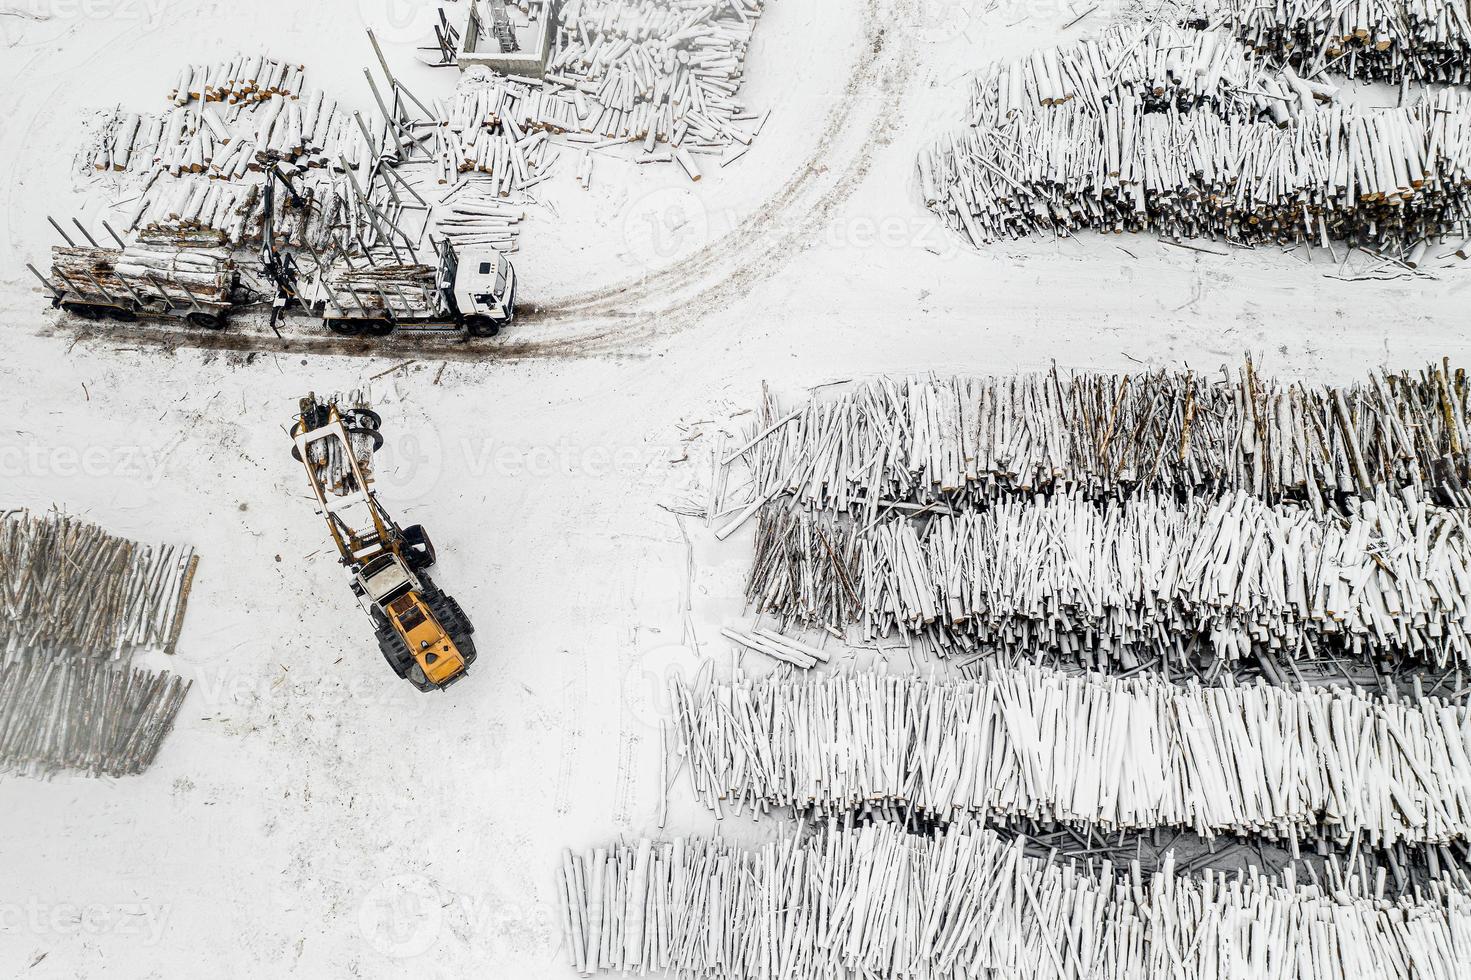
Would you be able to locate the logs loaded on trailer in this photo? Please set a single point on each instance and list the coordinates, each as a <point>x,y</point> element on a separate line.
<point>878,903</point>
<point>144,279</point>
<point>933,442</point>
<point>1120,584</point>
<point>1035,744</point>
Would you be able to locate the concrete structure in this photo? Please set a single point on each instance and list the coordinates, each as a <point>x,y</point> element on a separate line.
<point>480,46</point>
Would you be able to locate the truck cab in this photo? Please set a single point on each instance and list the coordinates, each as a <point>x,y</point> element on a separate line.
<point>484,289</point>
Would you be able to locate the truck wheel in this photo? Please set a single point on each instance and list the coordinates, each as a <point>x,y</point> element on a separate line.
<point>208,321</point>
<point>347,328</point>
<point>380,329</point>
<point>84,310</point>
<point>125,316</point>
<point>482,326</point>
<point>420,547</point>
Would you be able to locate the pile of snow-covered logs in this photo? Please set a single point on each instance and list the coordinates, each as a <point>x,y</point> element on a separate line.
<point>1057,144</point>
<point>1374,177</point>
<point>878,903</point>
<point>1125,583</point>
<point>102,718</point>
<point>474,216</point>
<point>1034,744</point>
<point>202,161</point>
<point>222,139</point>
<point>1151,68</point>
<point>500,126</point>
<point>75,603</point>
<point>148,270</point>
<point>656,72</point>
<point>933,442</point>
<point>1379,40</point>
<point>69,587</point>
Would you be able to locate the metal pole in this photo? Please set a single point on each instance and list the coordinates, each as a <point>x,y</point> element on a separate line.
<point>85,233</point>
<point>44,281</point>
<point>63,234</point>
<point>383,62</point>
<point>115,235</point>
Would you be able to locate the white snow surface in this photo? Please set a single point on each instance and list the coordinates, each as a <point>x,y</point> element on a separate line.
<point>313,816</point>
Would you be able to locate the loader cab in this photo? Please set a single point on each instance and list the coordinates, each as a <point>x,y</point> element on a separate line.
<point>384,579</point>
<point>485,285</point>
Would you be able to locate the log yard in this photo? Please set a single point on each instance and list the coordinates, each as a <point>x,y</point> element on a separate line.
<point>735,490</point>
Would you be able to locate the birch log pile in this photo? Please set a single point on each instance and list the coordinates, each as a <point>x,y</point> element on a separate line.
<point>258,114</point>
<point>1372,177</point>
<point>874,903</point>
<point>1151,67</point>
<point>203,159</point>
<point>656,72</point>
<point>1120,584</point>
<point>1175,131</point>
<point>474,216</point>
<point>937,442</point>
<point>148,270</point>
<point>103,719</point>
<point>1034,744</point>
<point>499,126</point>
<point>68,588</point>
<point>1374,40</point>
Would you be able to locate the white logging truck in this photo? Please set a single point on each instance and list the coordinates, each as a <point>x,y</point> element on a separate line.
<point>471,291</point>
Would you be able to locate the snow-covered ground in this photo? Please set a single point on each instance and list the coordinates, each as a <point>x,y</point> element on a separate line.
<point>312,815</point>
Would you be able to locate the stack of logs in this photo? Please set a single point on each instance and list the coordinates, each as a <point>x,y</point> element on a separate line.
<point>1144,581</point>
<point>1033,744</point>
<point>474,216</point>
<point>878,902</point>
<point>1374,40</point>
<point>149,270</point>
<point>656,72</point>
<point>202,161</point>
<point>75,602</point>
<point>1067,142</point>
<point>926,442</point>
<point>1152,67</point>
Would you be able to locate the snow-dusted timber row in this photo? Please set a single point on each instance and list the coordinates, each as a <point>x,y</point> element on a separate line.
<point>850,904</point>
<point>928,440</point>
<point>1128,753</point>
<point>1150,579</point>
